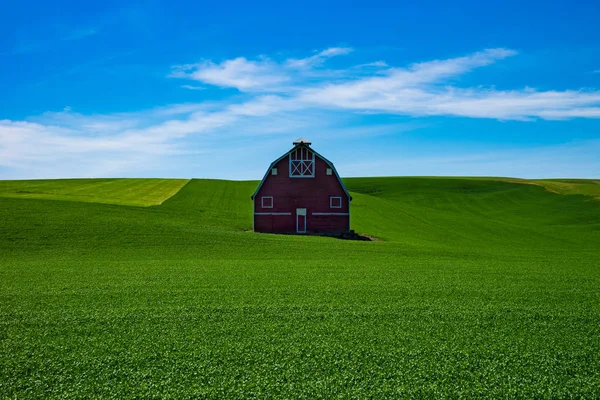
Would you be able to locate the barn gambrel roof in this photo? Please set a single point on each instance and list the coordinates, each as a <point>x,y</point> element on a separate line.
<point>316,154</point>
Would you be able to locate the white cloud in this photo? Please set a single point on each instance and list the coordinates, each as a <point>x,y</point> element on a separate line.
<point>192,87</point>
<point>420,89</point>
<point>33,150</point>
<point>335,51</point>
<point>85,124</point>
<point>374,64</point>
<point>68,144</point>
<point>434,71</point>
<point>261,75</point>
<point>318,58</point>
<point>292,97</point>
<point>238,73</point>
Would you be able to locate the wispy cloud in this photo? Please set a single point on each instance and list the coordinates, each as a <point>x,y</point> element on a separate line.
<point>238,73</point>
<point>318,58</point>
<point>261,75</point>
<point>421,89</point>
<point>192,87</point>
<point>280,97</point>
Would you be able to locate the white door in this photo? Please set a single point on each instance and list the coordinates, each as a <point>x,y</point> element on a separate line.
<point>300,220</point>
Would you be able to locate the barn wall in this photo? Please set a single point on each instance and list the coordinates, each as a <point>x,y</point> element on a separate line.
<point>329,223</point>
<point>310,193</point>
<point>275,223</point>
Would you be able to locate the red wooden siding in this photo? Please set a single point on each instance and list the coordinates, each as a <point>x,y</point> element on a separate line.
<point>312,193</point>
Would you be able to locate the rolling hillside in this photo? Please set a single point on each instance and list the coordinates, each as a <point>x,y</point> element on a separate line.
<point>479,287</point>
<point>134,192</point>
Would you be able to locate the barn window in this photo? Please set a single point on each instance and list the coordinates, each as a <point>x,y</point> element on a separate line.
<point>335,202</point>
<point>267,202</point>
<point>329,171</point>
<point>274,171</point>
<point>302,163</point>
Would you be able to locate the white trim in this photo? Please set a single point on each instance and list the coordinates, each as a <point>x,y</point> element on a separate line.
<point>273,213</point>
<point>262,201</point>
<point>349,217</point>
<point>302,166</point>
<point>329,213</point>
<point>331,201</point>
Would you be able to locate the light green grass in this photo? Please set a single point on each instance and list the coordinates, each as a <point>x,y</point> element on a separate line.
<point>588,187</point>
<point>481,288</point>
<point>133,192</point>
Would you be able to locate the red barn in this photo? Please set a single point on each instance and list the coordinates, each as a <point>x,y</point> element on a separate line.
<point>301,193</point>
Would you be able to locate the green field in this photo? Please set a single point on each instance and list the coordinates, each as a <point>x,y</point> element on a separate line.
<point>477,288</point>
<point>571,186</point>
<point>132,192</point>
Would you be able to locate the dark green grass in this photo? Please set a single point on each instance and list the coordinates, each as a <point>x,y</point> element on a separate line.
<point>133,192</point>
<point>481,288</point>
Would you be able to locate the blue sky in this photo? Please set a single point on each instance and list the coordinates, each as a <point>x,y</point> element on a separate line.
<point>219,90</point>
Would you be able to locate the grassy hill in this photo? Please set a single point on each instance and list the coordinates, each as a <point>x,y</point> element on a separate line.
<point>133,192</point>
<point>586,187</point>
<point>480,287</point>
